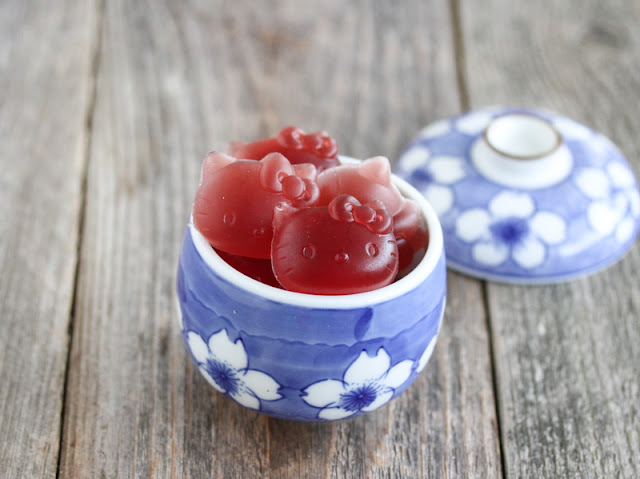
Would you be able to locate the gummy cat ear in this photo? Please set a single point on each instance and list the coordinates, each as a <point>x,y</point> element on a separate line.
<point>281,212</point>
<point>214,162</point>
<point>376,169</point>
<point>273,169</point>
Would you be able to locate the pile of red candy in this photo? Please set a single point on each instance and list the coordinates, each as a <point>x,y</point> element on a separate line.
<point>290,215</point>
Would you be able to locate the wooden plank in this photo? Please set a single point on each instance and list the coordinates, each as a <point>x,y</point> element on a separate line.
<point>566,356</point>
<point>176,79</point>
<point>124,402</point>
<point>45,94</point>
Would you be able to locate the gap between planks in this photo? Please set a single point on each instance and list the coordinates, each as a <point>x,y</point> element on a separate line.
<point>88,127</point>
<point>460,60</point>
<point>465,103</point>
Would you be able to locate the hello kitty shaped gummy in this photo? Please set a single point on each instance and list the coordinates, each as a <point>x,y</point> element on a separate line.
<point>233,207</point>
<point>371,180</point>
<point>317,148</point>
<point>368,181</point>
<point>343,248</point>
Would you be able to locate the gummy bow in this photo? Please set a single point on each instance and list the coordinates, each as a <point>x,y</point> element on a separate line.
<point>295,182</point>
<point>318,142</point>
<point>373,215</point>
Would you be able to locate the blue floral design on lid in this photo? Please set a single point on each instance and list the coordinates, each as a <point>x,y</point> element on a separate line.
<point>510,227</point>
<point>525,196</point>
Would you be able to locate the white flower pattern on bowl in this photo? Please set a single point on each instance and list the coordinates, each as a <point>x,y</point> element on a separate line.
<point>615,201</point>
<point>224,364</point>
<point>510,227</point>
<point>367,384</point>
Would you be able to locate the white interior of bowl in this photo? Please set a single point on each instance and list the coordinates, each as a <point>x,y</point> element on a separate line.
<point>522,136</point>
<point>348,301</point>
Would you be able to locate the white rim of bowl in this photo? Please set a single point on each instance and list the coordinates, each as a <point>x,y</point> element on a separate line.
<point>347,301</point>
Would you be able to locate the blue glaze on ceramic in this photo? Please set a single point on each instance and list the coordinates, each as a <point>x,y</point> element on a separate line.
<point>308,357</point>
<point>548,218</point>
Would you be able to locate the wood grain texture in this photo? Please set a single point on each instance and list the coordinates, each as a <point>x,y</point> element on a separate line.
<point>45,92</point>
<point>176,79</point>
<point>566,356</point>
<point>124,402</point>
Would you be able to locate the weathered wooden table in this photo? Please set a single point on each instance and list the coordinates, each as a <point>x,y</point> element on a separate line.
<point>106,111</point>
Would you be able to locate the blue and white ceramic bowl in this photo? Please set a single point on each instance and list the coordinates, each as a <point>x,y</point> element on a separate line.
<point>309,357</point>
<point>525,196</point>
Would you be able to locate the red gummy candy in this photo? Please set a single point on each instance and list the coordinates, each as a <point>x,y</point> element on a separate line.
<point>412,237</point>
<point>342,248</point>
<point>234,204</point>
<point>317,148</point>
<point>367,181</point>
<point>256,268</point>
<point>371,180</point>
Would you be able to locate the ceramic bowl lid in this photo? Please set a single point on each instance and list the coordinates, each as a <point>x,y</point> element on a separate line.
<point>525,196</point>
